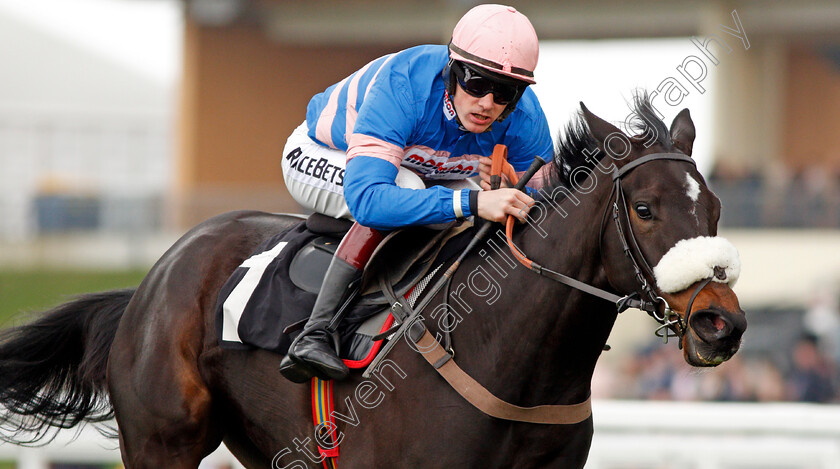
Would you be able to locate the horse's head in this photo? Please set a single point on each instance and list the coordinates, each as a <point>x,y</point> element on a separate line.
<point>659,234</point>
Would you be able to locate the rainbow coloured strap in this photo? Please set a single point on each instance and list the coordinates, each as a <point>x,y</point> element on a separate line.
<point>322,416</point>
<point>322,403</point>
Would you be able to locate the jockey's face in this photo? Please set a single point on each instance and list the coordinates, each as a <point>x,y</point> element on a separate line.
<point>476,114</point>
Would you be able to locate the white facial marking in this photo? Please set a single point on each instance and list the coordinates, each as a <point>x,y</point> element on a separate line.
<point>693,187</point>
<point>693,193</point>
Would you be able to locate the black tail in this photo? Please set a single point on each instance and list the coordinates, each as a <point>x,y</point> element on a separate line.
<point>52,371</point>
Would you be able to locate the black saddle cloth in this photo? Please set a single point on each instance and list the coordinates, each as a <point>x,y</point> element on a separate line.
<point>259,300</point>
<point>276,288</point>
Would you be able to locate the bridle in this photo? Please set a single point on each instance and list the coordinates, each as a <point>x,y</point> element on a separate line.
<point>646,298</point>
<point>441,358</point>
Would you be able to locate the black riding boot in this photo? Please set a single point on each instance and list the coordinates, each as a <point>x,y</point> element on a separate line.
<point>314,352</point>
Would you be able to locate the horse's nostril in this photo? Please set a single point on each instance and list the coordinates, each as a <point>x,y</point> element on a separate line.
<point>712,326</point>
<point>739,325</point>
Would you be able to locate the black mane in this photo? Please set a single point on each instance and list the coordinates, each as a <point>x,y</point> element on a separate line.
<point>576,142</point>
<point>569,155</point>
<point>646,125</point>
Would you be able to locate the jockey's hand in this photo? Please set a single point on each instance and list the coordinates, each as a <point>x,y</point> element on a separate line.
<point>484,172</point>
<point>498,204</point>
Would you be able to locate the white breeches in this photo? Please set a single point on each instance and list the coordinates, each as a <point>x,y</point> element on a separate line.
<point>314,176</point>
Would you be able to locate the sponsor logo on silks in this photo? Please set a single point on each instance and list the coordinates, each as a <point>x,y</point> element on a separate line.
<point>319,168</point>
<point>438,168</point>
<point>448,108</point>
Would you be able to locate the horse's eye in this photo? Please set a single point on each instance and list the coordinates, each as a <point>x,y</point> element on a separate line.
<point>643,211</point>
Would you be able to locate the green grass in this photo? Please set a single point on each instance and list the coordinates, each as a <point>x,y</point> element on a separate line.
<point>23,291</point>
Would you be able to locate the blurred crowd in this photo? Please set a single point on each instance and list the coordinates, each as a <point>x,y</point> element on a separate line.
<point>780,197</point>
<point>659,372</point>
<point>794,364</point>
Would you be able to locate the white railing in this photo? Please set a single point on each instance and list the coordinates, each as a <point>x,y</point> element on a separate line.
<point>628,435</point>
<point>671,435</point>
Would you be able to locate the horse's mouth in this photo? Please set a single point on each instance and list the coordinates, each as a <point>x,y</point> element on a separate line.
<point>699,354</point>
<point>713,337</point>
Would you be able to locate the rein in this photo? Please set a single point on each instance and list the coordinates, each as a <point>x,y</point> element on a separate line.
<point>442,359</point>
<point>669,320</point>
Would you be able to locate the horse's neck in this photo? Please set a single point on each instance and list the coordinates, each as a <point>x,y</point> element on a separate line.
<point>569,235</point>
<point>540,339</point>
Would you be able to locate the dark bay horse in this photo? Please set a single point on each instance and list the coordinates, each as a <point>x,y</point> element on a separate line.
<point>151,356</point>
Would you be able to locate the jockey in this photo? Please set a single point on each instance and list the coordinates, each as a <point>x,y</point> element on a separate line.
<point>394,144</point>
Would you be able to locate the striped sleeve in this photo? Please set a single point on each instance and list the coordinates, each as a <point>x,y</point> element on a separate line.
<point>376,201</point>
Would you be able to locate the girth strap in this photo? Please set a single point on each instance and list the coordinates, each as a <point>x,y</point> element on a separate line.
<point>486,402</point>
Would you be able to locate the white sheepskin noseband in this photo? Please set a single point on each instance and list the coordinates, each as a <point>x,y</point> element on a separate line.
<point>692,260</point>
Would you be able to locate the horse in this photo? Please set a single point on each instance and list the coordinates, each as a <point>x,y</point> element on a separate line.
<point>150,357</point>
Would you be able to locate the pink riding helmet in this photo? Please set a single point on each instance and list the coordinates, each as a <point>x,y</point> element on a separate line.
<point>499,39</point>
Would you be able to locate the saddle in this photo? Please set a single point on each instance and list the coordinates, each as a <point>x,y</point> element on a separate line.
<point>268,309</point>
<point>401,259</point>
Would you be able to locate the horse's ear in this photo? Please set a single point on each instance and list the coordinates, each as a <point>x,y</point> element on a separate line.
<point>599,128</point>
<point>682,132</point>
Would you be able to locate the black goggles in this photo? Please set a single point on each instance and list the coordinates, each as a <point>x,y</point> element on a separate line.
<point>478,85</point>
